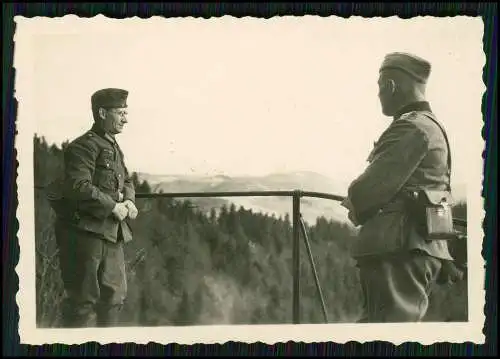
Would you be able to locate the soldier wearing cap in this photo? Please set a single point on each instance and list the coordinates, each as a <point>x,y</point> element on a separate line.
<point>397,264</point>
<point>94,202</point>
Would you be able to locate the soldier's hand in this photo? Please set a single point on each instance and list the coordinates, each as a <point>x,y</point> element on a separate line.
<point>352,218</point>
<point>347,203</point>
<point>132,209</point>
<point>449,273</point>
<point>120,211</point>
<point>120,197</point>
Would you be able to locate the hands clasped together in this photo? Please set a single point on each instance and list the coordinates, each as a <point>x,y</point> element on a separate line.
<point>124,209</point>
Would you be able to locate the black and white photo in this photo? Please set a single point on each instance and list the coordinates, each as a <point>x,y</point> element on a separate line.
<point>293,178</point>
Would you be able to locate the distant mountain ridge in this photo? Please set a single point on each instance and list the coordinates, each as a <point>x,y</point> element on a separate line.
<point>311,208</point>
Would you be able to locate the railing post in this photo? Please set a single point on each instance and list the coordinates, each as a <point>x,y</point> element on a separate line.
<point>313,268</point>
<point>296,257</point>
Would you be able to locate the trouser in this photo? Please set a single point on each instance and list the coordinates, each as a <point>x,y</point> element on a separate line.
<point>396,287</point>
<point>93,273</point>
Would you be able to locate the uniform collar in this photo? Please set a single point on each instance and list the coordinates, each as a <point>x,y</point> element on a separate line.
<point>414,106</point>
<point>98,130</point>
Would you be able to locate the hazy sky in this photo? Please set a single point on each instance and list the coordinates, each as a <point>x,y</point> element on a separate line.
<point>253,96</point>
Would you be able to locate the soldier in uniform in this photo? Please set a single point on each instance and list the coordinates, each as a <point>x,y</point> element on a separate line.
<point>397,263</point>
<point>95,201</point>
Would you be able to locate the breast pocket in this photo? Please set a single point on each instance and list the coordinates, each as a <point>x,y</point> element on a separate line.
<point>104,172</point>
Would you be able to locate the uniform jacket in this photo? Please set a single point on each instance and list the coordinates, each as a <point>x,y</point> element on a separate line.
<point>94,175</point>
<point>411,153</point>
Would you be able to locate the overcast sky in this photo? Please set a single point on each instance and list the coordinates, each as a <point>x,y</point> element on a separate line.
<point>253,96</point>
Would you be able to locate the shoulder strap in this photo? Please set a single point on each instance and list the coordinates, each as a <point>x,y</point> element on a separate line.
<point>431,116</point>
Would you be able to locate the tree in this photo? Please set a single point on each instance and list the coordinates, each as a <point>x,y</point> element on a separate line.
<point>252,252</point>
<point>213,216</point>
<point>135,179</point>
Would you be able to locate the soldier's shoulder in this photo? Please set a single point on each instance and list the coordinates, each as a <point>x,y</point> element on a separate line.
<point>428,123</point>
<point>421,122</point>
<point>88,139</point>
<point>407,122</point>
<point>413,117</point>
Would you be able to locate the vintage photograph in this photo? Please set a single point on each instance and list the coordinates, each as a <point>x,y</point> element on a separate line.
<point>260,176</point>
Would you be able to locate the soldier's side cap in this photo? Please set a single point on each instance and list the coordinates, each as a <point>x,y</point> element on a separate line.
<point>109,98</point>
<point>415,66</point>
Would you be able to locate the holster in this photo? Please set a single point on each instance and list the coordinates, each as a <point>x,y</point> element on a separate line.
<point>432,213</point>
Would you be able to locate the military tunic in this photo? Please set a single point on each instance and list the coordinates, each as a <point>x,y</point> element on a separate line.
<point>410,154</point>
<point>95,174</point>
<point>89,237</point>
<point>398,265</point>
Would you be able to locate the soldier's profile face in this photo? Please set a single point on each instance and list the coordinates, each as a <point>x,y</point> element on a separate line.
<point>115,120</point>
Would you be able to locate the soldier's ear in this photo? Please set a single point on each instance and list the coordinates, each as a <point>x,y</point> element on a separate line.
<point>102,113</point>
<point>392,86</point>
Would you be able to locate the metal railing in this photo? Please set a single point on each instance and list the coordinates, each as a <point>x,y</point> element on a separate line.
<point>298,226</point>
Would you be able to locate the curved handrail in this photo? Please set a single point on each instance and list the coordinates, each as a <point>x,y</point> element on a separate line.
<point>297,222</point>
<point>297,226</point>
<point>270,193</point>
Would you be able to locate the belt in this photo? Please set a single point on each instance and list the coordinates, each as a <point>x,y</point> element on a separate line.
<point>397,205</point>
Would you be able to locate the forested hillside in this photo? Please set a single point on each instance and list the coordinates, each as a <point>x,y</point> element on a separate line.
<point>234,267</point>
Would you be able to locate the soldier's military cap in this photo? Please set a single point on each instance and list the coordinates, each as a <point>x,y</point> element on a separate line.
<point>109,98</point>
<point>413,65</point>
